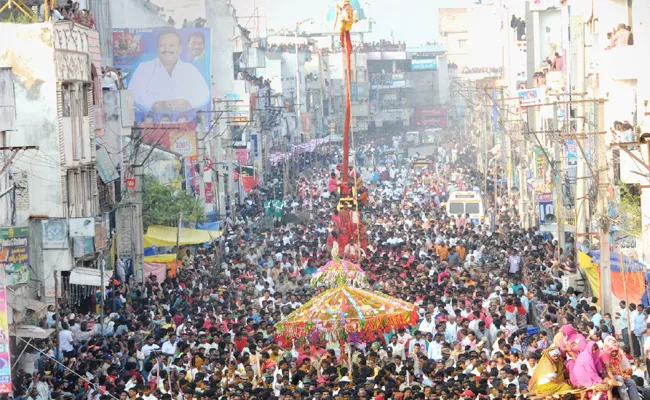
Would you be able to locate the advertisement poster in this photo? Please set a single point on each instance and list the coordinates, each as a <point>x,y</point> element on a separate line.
<point>241,156</point>
<point>540,164</point>
<point>101,237</point>
<point>307,126</point>
<point>55,234</point>
<point>572,152</point>
<point>545,206</point>
<point>168,71</point>
<point>528,97</point>
<point>5,356</point>
<point>209,197</point>
<point>183,143</point>
<point>14,254</point>
<point>254,139</point>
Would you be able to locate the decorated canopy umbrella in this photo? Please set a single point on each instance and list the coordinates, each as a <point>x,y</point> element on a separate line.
<point>339,272</point>
<point>336,313</point>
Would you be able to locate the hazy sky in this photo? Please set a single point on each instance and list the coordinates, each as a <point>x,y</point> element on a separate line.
<point>413,21</point>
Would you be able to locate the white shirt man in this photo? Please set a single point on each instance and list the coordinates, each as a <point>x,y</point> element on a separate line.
<point>167,78</point>
<point>513,261</point>
<point>169,347</point>
<point>428,325</point>
<point>435,349</point>
<point>109,80</point>
<point>149,347</point>
<point>398,349</point>
<point>66,340</point>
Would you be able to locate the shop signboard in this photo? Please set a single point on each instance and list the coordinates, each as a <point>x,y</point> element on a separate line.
<point>14,254</point>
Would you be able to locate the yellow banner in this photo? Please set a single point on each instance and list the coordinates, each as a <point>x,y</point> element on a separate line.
<point>158,235</point>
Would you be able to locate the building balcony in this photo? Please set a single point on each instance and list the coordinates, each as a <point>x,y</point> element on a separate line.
<point>620,63</point>
<point>387,55</point>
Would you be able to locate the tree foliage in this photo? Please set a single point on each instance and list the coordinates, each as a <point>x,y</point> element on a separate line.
<point>161,204</point>
<point>630,209</point>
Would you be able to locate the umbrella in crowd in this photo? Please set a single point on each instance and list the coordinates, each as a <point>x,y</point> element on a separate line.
<point>336,313</point>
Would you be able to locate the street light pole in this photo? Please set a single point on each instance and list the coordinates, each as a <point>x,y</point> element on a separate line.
<point>298,106</point>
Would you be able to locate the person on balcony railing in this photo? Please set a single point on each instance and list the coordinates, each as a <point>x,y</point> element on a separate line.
<point>622,36</point>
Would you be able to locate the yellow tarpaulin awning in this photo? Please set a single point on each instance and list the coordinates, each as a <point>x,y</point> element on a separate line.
<point>160,258</point>
<point>158,235</point>
<point>592,271</point>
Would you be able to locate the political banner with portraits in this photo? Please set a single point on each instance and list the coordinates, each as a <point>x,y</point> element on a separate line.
<point>168,71</point>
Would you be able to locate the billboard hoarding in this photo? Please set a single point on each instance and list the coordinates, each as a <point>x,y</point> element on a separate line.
<point>431,116</point>
<point>14,254</point>
<point>168,71</point>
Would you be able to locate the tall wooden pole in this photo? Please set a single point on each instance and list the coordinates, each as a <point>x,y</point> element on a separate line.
<point>348,113</point>
<point>178,232</point>
<point>56,311</point>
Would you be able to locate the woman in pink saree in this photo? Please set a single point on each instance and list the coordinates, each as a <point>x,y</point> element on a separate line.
<point>572,344</point>
<point>586,372</point>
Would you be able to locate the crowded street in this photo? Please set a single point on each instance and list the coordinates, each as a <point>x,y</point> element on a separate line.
<point>324,200</point>
<point>493,320</point>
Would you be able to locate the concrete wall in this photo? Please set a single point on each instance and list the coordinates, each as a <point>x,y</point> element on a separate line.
<point>33,70</point>
<point>32,57</point>
<point>133,14</point>
<point>220,19</point>
<point>443,80</point>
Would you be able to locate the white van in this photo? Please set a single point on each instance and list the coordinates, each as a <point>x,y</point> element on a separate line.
<point>466,203</point>
<point>431,135</point>
<point>412,138</point>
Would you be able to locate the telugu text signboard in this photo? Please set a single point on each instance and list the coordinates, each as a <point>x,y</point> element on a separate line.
<point>424,64</point>
<point>14,254</point>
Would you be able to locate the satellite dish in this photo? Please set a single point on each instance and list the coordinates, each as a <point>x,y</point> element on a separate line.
<point>586,246</point>
<point>550,218</point>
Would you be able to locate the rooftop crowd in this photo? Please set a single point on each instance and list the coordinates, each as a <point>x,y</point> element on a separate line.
<point>495,321</point>
<point>366,47</point>
<point>71,11</point>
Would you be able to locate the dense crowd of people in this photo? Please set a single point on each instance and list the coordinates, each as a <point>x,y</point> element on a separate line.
<point>68,12</point>
<point>288,47</point>
<point>495,321</point>
<point>366,47</point>
<point>482,70</point>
